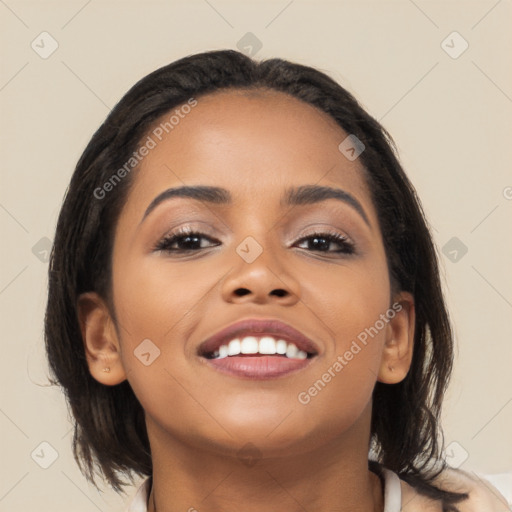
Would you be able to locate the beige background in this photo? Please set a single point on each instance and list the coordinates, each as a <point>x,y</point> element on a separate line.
<point>451,118</point>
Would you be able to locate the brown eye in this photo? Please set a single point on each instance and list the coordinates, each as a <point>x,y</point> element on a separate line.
<point>184,241</point>
<point>322,242</point>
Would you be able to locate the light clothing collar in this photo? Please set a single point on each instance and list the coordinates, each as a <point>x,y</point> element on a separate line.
<point>392,494</point>
<point>401,497</point>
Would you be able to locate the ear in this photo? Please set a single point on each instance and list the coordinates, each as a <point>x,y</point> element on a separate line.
<point>102,348</point>
<point>399,344</point>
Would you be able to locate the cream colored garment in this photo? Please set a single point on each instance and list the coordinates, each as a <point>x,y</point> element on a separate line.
<point>483,496</point>
<point>401,497</point>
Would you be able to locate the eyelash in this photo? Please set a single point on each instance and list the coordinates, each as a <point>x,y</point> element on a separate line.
<point>347,247</point>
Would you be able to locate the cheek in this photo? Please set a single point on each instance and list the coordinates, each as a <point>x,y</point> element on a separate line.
<point>354,307</point>
<point>158,303</point>
<point>348,299</point>
<point>153,296</point>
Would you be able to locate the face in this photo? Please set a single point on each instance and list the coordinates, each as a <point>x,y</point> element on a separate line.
<point>317,265</point>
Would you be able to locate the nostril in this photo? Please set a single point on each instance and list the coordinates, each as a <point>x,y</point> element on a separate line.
<point>242,291</point>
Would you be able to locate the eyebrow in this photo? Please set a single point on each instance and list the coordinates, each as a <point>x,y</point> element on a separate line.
<point>303,195</point>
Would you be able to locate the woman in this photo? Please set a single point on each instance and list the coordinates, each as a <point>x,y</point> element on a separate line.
<point>244,301</point>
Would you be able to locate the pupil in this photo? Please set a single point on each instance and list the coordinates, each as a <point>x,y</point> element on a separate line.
<point>324,245</point>
<point>190,240</point>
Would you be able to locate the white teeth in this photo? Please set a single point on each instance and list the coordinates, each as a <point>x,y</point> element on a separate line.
<point>301,354</point>
<point>266,345</point>
<point>291,350</point>
<point>234,347</point>
<point>249,345</point>
<point>281,347</point>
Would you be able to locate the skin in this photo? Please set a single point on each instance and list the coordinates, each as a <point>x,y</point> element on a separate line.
<point>308,457</point>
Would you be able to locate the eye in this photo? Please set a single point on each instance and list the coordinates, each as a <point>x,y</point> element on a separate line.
<point>188,240</point>
<point>184,240</point>
<point>321,242</point>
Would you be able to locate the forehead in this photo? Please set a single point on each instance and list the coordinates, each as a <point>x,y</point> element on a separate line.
<point>248,141</point>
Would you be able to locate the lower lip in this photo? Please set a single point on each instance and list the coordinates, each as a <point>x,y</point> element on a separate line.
<point>259,367</point>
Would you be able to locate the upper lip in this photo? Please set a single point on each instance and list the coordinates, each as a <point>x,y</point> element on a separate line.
<point>258,328</point>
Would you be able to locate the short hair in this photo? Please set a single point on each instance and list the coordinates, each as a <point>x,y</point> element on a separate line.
<point>109,426</point>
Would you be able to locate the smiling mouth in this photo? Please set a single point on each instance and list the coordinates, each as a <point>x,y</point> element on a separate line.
<point>261,357</point>
<point>259,346</point>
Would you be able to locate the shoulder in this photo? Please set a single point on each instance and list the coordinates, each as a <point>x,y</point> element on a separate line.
<point>483,496</point>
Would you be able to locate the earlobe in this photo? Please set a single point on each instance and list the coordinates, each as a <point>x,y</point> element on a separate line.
<point>399,345</point>
<point>102,348</point>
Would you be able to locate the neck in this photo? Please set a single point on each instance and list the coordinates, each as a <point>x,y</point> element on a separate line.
<point>333,476</point>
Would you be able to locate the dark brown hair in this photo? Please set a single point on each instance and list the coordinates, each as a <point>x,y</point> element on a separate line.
<point>110,432</point>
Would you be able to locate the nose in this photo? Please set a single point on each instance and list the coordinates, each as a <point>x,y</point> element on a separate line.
<point>265,280</point>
